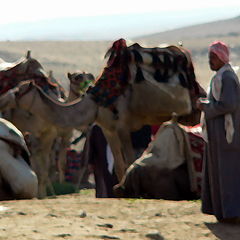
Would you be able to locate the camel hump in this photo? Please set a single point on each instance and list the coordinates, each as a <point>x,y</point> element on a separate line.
<point>10,134</point>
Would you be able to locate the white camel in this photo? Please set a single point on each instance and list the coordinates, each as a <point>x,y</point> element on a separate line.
<point>17,179</point>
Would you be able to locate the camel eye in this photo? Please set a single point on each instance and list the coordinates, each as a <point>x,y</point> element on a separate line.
<point>79,78</point>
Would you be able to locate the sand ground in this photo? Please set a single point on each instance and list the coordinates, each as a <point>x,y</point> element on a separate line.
<point>81,216</point>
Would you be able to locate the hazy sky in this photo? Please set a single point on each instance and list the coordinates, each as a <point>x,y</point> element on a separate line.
<point>30,10</point>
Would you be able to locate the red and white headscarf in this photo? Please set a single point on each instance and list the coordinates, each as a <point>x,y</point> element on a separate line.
<point>221,50</point>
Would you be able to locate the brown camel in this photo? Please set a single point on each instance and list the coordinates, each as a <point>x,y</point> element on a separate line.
<point>79,82</point>
<point>139,86</point>
<point>41,134</point>
<point>168,169</point>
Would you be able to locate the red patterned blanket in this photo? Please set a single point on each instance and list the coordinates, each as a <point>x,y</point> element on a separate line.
<point>163,64</point>
<point>197,150</point>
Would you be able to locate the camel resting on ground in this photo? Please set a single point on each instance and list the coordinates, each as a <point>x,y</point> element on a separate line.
<point>138,86</point>
<point>17,179</point>
<point>166,170</point>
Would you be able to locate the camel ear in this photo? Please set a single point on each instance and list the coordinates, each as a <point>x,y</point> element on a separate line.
<point>28,55</point>
<point>69,75</point>
<point>90,77</point>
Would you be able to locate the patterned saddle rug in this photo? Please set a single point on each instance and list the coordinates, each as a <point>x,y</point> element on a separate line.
<point>73,166</point>
<point>129,65</point>
<point>11,74</point>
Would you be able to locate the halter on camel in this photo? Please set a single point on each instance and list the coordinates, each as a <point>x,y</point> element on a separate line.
<point>80,82</point>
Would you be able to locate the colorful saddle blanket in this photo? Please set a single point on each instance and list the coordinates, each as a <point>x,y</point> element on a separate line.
<point>161,63</point>
<point>73,166</point>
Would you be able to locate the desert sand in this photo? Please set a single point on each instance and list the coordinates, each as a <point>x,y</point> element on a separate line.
<point>81,216</point>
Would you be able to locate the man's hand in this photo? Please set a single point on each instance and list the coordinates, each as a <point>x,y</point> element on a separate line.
<point>201,102</point>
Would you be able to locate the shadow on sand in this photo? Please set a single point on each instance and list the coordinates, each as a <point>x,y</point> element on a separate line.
<point>225,231</point>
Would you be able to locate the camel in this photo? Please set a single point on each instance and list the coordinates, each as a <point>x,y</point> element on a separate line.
<point>167,169</point>
<point>138,86</point>
<point>41,134</point>
<point>79,82</point>
<point>17,180</point>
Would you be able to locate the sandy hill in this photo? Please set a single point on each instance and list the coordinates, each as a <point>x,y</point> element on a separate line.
<point>197,37</point>
<point>216,29</point>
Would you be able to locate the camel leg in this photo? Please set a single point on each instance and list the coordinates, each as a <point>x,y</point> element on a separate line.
<point>64,144</point>
<point>115,145</point>
<point>127,148</point>
<point>62,164</point>
<point>43,175</point>
<point>37,165</point>
<point>40,161</point>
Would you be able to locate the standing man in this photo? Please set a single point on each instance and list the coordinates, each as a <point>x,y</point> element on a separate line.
<point>221,170</point>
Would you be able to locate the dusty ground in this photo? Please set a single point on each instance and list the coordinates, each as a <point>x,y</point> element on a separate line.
<point>81,216</point>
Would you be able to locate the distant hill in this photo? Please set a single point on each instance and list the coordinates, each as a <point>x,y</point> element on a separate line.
<point>215,29</point>
<point>197,37</point>
<point>63,56</point>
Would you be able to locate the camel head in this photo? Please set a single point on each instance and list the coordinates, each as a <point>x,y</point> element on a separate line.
<point>80,81</point>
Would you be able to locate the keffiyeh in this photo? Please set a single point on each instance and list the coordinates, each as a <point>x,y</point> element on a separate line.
<point>221,50</point>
